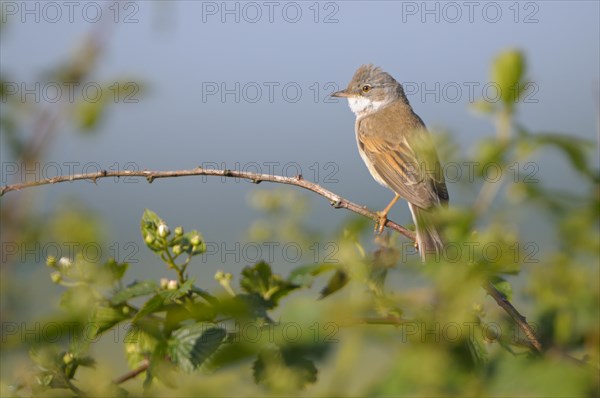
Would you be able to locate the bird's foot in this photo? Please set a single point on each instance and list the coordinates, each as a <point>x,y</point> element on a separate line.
<point>380,223</point>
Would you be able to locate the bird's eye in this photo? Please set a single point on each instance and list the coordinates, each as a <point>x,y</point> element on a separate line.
<point>366,88</point>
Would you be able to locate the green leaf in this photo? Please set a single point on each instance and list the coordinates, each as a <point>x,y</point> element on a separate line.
<point>508,69</point>
<point>503,286</point>
<point>185,288</point>
<point>260,280</point>
<point>256,279</point>
<point>205,295</point>
<point>191,345</point>
<point>115,269</point>
<point>150,218</point>
<point>155,304</point>
<point>158,302</point>
<point>282,370</point>
<point>336,282</point>
<point>305,274</point>
<point>89,113</point>
<point>140,342</point>
<point>106,317</point>
<point>149,226</point>
<point>136,289</point>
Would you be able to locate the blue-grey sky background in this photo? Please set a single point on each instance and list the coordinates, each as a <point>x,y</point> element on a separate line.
<point>178,48</point>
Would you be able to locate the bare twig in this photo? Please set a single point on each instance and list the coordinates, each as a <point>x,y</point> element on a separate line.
<point>335,200</point>
<point>519,319</point>
<point>133,373</point>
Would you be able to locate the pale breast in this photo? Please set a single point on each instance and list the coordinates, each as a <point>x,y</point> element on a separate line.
<point>366,159</point>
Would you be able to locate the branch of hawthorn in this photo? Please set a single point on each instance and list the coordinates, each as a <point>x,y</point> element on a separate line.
<point>336,201</point>
<point>133,373</point>
<point>519,319</point>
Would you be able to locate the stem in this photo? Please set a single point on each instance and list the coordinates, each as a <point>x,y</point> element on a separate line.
<point>335,200</point>
<point>133,373</point>
<point>519,319</point>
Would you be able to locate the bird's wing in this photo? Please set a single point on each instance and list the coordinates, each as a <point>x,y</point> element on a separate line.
<point>407,162</point>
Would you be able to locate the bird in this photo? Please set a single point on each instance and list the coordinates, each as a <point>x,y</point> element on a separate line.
<point>398,150</point>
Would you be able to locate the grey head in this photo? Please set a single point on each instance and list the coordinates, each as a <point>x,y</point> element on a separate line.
<point>371,88</point>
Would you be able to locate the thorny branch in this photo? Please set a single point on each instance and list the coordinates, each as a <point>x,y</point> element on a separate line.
<point>335,200</point>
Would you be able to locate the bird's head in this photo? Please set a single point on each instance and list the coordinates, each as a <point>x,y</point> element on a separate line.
<point>370,89</point>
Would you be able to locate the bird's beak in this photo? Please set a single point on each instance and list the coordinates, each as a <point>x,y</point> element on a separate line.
<point>342,93</point>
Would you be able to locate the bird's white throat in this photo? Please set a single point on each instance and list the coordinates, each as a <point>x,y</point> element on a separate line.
<point>362,106</point>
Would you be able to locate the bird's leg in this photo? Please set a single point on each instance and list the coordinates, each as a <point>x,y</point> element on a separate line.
<point>380,224</point>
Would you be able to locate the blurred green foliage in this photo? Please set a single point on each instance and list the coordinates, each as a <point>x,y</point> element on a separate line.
<point>385,324</point>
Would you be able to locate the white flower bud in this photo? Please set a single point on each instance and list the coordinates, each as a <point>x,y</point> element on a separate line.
<point>196,240</point>
<point>163,230</point>
<point>149,239</point>
<point>64,262</point>
<point>172,285</point>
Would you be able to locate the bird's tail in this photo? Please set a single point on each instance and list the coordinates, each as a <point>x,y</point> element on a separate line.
<point>429,240</point>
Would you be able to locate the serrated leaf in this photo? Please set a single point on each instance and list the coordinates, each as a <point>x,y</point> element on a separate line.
<point>136,289</point>
<point>155,304</point>
<point>259,279</point>
<point>191,345</point>
<point>106,317</point>
<point>230,353</point>
<point>170,295</point>
<point>205,295</point>
<point>256,279</point>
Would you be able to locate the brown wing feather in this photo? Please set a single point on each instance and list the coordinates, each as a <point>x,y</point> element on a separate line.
<point>402,155</point>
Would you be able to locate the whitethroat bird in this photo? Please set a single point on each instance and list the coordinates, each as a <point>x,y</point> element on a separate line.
<point>398,151</point>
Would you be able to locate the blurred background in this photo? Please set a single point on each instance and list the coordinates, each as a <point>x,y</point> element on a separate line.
<point>245,86</point>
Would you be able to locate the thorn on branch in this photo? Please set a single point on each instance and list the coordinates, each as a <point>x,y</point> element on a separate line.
<point>337,203</point>
<point>101,173</point>
<point>150,178</point>
<point>256,181</point>
<point>299,177</point>
<point>227,173</point>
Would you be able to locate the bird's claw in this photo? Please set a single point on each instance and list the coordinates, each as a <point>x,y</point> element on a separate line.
<point>380,223</point>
